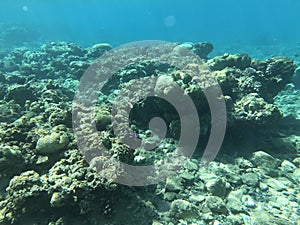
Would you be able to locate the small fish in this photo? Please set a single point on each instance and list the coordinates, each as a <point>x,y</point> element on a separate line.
<point>133,140</point>
<point>133,135</point>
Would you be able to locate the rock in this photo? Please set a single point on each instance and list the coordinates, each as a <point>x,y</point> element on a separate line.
<point>238,193</point>
<point>42,159</point>
<point>97,50</point>
<point>296,175</point>
<point>275,184</point>
<point>233,178</point>
<point>2,216</point>
<point>241,61</point>
<point>197,199</point>
<point>55,49</point>
<point>250,179</point>
<point>156,223</point>
<point>103,119</point>
<point>202,49</point>
<point>174,184</point>
<point>187,177</point>
<point>249,201</point>
<point>191,165</point>
<point>263,159</point>
<point>216,205</point>
<point>216,222</point>
<point>52,143</point>
<point>79,65</point>
<point>59,221</point>
<point>296,161</point>
<point>236,219</point>
<point>20,94</point>
<point>182,209</point>
<point>287,167</point>
<point>235,205</point>
<point>16,77</point>
<point>265,218</point>
<point>216,187</point>
<point>252,107</point>
<point>280,67</point>
<point>244,163</point>
<point>170,196</point>
<point>57,200</point>
<point>78,68</point>
<point>263,186</point>
<point>181,49</point>
<point>165,85</point>
<point>11,160</point>
<point>23,181</point>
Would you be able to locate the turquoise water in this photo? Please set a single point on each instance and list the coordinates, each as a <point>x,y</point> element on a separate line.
<point>117,21</point>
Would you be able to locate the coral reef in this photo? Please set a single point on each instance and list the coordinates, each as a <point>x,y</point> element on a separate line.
<point>45,179</point>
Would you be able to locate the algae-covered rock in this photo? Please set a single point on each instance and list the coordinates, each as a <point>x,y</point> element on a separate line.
<point>174,184</point>
<point>256,110</point>
<point>11,160</point>
<point>58,199</point>
<point>250,179</point>
<point>78,68</point>
<point>103,119</point>
<point>62,48</point>
<point>182,209</point>
<point>236,219</point>
<point>65,186</point>
<point>287,166</point>
<point>241,61</point>
<point>216,187</point>
<point>20,94</point>
<point>266,218</point>
<point>216,205</point>
<point>9,111</point>
<point>202,49</point>
<point>278,185</point>
<point>21,188</point>
<point>263,159</point>
<point>19,184</point>
<point>248,201</point>
<point>52,143</point>
<point>235,205</point>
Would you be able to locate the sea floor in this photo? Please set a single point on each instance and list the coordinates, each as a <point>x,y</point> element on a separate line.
<point>255,179</point>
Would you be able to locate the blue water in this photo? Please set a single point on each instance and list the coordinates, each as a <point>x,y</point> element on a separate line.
<point>120,21</point>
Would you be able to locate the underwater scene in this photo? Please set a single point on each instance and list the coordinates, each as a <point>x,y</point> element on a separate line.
<point>135,112</point>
